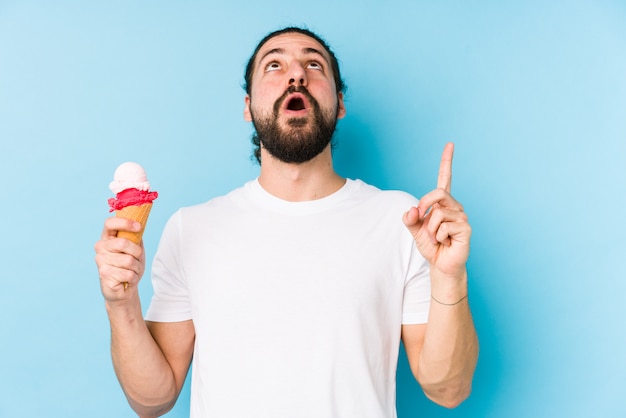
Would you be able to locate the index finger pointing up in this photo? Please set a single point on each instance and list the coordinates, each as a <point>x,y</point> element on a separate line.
<point>444,181</point>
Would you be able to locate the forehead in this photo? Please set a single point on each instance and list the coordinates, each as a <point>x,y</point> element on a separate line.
<point>291,43</point>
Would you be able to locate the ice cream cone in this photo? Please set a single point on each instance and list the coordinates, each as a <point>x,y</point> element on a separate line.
<point>138,213</point>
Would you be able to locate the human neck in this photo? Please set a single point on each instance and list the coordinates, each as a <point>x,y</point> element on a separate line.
<point>312,180</point>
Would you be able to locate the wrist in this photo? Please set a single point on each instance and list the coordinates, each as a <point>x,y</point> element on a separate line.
<point>123,309</point>
<point>451,303</point>
<point>448,289</point>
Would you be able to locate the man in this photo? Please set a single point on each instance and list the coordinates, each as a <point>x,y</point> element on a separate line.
<point>292,293</point>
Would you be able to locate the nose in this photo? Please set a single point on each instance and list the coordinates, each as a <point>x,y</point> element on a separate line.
<point>297,74</point>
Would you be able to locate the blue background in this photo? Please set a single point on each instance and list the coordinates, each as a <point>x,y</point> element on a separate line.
<point>533,94</point>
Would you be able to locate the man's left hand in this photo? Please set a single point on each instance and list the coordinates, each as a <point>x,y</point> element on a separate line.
<point>440,226</point>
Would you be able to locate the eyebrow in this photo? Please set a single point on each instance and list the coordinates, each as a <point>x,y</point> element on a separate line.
<point>306,51</point>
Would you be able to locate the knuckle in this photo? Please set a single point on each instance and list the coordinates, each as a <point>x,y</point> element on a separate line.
<point>98,246</point>
<point>127,276</point>
<point>433,228</point>
<point>109,225</point>
<point>105,271</point>
<point>127,261</point>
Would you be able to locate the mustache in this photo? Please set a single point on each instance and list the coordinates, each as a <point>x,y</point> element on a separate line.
<point>295,89</point>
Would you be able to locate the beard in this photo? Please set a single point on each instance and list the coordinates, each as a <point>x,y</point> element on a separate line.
<point>302,139</point>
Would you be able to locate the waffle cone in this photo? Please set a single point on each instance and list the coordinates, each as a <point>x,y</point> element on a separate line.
<point>136,213</point>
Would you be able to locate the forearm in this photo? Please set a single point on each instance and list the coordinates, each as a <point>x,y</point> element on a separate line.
<point>448,357</point>
<point>141,368</point>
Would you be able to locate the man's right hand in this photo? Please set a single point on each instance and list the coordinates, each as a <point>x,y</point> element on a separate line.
<point>151,360</point>
<point>121,263</point>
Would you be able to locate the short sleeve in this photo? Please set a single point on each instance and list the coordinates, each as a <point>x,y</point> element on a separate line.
<point>416,302</point>
<point>170,301</point>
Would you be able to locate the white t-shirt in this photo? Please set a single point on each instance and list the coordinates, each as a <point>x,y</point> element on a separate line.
<point>298,306</point>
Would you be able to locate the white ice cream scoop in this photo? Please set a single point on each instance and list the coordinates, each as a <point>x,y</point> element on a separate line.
<point>129,175</point>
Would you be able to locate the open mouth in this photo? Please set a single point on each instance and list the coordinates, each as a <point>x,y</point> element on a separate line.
<point>296,103</point>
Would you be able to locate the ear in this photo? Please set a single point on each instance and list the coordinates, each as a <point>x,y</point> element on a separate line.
<point>247,116</point>
<point>341,108</point>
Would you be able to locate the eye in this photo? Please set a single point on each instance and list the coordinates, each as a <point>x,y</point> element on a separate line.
<point>314,65</point>
<point>272,66</point>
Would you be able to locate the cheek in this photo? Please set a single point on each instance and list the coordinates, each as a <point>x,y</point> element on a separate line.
<point>328,101</point>
<point>323,92</point>
<point>263,97</point>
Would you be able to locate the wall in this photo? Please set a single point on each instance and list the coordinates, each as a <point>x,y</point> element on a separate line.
<point>532,93</point>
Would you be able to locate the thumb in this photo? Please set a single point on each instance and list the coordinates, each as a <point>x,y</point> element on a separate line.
<point>411,218</point>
